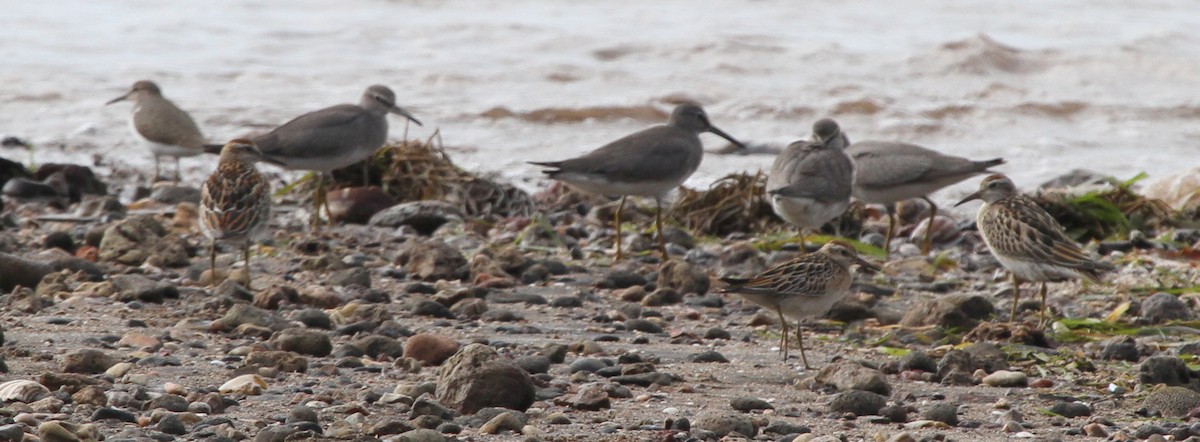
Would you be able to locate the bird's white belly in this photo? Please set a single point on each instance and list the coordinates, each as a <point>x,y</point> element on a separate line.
<point>1035,271</point>
<point>598,184</point>
<point>807,213</point>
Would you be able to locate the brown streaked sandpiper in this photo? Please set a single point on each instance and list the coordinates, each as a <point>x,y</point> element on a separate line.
<point>804,287</point>
<point>1028,241</point>
<point>235,201</point>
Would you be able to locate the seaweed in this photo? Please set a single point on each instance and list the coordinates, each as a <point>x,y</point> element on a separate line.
<point>734,203</point>
<point>1107,213</point>
<point>415,170</point>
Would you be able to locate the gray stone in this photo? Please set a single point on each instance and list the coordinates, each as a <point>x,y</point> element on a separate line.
<point>945,413</point>
<point>723,423</point>
<point>141,288</point>
<point>951,311</point>
<point>16,271</point>
<point>1120,348</point>
<point>858,402</point>
<point>1164,370</point>
<point>747,404</point>
<point>1162,307</point>
<point>477,377</point>
<point>1005,378</point>
<point>425,216</point>
<point>848,375</point>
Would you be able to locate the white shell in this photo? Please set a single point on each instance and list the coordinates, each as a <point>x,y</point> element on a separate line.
<point>250,384</point>
<point>21,390</point>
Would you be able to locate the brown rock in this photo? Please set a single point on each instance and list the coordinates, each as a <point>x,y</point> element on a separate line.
<point>429,348</point>
<point>356,205</point>
<point>683,277</point>
<point>280,360</point>
<point>477,377</point>
<point>87,361</point>
<point>953,311</point>
<point>273,297</point>
<point>432,259</point>
<point>16,271</point>
<point>591,397</point>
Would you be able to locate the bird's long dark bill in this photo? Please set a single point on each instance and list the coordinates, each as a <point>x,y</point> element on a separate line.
<point>722,134</point>
<point>402,112</point>
<point>868,265</point>
<point>973,196</point>
<point>114,100</point>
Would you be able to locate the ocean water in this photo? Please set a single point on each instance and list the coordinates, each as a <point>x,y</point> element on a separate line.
<point>1050,86</point>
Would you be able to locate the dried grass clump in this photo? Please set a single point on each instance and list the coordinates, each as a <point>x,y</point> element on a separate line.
<point>734,203</point>
<point>414,170</point>
<point>1107,213</point>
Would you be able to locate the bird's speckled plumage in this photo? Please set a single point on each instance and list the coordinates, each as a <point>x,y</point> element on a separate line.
<point>804,287</point>
<point>1027,240</point>
<point>649,163</point>
<point>811,181</point>
<point>890,172</point>
<point>235,201</point>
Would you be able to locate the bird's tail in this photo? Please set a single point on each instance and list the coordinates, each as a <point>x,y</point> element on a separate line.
<point>554,165</point>
<point>213,148</point>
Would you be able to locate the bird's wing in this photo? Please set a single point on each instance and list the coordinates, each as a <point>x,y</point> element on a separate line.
<point>640,156</point>
<point>1023,228</point>
<point>235,199</point>
<point>166,123</point>
<point>308,134</point>
<point>807,275</point>
<point>812,173</point>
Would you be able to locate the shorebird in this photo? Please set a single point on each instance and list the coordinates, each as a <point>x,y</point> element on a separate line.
<point>166,129</point>
<point>890,172</point>
<point>235,202</point>
<point>1028,241</point>
<point>649,163</point>
<point>804,287</point>
<point>811,180</point>
<point>332,138</point>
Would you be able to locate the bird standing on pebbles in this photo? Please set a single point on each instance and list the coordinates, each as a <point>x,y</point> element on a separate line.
<point>811,180</point>
<point>167,129</point>
<point>235,202</point>
<point>648,163</point>
<point>1028,241</point>
<point>332,138</point>
<point>804,287</point>
<point>889,172</point>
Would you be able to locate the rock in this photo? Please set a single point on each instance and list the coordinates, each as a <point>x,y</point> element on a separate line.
<point>140,288</point>
<point>534,364</point>
<point>171,424</point>
<point>87,361</point>
<point>477,377</point>
<point>1164,370</point>
<point>723,423</point>
<point>425,406</point>
<point>302,341</point>
<point>1071,409</point>
<point>621,279</point>
<point>1120,348</point>
<point>432,259</point>
<point>1095,430</point>
<point>241,314</point>
<point>857,402</point>
<point>79,180</point>
<point>590,365</point>
<point>432,309</point>
<point>1005,378</point>
<point>989,356</point>
<point>134,240</point>
<point>424,216</point>
<point>748,404</point>
<point>1171,401</point>
<point>379,345</point>
<point>1162,307</point>
<point>591,397</point>
<point>172,194</point>
<point>16,271</point>
<point>1181,191</point>
<point>683,277</point>
<point>741,260</point>
<point>944,413</point>
<point>1076,178</point>
<point>643,325</point>
<point>503,421</point>
<point>918,360</point>
<point>284,361</point>
<point>55,431</point>
<point>429,348</point>
<point>707,357</point>
<point>420,435</point>
<point>951,311</point>
<point>358,205</point>
<point>353,276</point>
<point>848,375</point>
<point>107,413</point>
